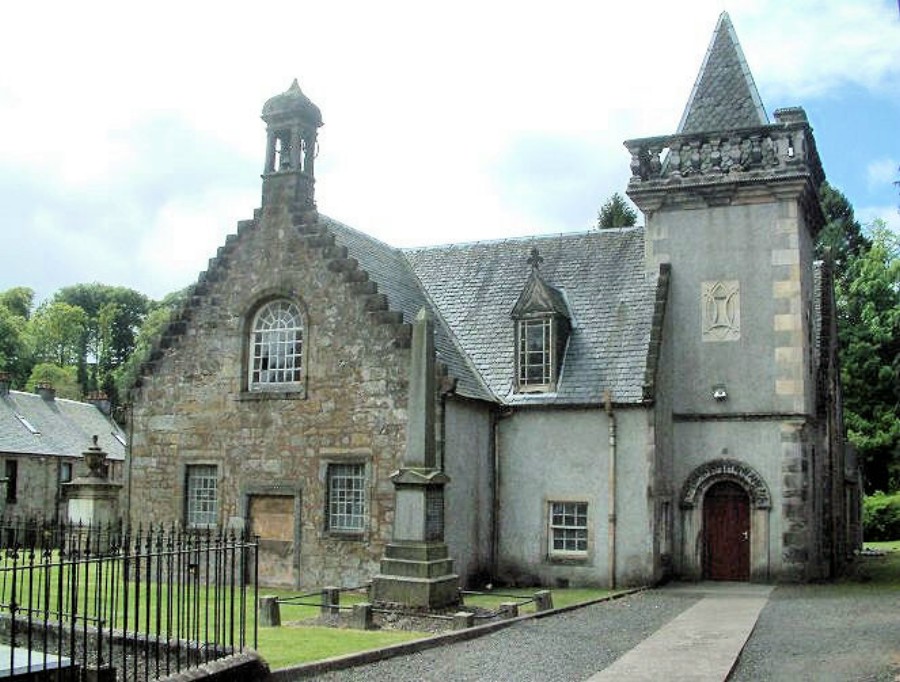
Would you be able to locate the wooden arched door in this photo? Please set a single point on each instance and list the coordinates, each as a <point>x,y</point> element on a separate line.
<point>726,532</point>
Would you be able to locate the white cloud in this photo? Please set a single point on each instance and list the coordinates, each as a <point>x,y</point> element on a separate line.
<point>882,172</point>
<point>866,215</point>
<point>122,108</point>
<point>178,244</point>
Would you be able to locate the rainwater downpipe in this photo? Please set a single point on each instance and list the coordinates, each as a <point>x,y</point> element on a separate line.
<point>611,421</point>
<point>496,415</point>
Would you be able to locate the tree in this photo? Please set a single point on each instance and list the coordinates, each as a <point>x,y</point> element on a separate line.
<point>15,357</point>
<point>114,315</point>
<point>18,300</point>
<point>842,237</point>
<point>63,379</point>
<point>869,333</point>
<point>56,331</point>
<point>616,213</point>
<point>15,351</point>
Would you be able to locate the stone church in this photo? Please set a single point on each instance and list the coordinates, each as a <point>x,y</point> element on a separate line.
<point>613,407</point>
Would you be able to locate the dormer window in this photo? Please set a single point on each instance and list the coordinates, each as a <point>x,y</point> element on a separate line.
<point>542,321</point>
<point>535,354</point>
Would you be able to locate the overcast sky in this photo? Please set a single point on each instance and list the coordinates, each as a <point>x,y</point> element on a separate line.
<point>131,143</point>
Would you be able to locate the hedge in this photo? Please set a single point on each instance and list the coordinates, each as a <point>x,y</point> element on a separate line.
<point>881,517</point>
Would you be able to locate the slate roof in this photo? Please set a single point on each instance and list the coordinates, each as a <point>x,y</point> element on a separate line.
<point>388,268</point>
<point>65,427</point>
<point>601,273</point>
<point>724,96</point>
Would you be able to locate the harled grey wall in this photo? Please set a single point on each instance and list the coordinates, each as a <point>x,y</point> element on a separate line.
<point>468,461</point>
<point>765,421</point>
<point>563,455</point>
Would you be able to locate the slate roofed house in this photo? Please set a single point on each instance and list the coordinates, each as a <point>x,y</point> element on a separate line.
<point>612,407</point>
<point>42,439</point>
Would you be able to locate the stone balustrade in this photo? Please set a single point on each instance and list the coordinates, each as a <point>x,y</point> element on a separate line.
<point>784,148</point>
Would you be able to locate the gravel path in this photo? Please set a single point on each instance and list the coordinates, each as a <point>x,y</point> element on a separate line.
<point>565,647</point>
<point>824,633</point>
<point>814,633</point>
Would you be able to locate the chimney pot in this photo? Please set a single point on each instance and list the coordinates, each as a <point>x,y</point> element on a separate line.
<point>45,390</point>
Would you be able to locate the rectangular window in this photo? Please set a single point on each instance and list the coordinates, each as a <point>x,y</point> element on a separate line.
<point>568,528</point>
<point>202,491</point>
<point>346,498</point>
<point>535,353</point>
<point>65,472</point>
<point>12,480</point>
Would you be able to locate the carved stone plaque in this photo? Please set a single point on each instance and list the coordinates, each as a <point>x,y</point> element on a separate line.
<point>720,312</point>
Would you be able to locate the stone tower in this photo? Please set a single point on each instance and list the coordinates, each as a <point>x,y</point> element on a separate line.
<point>731,203</point>
<point>292,122</point>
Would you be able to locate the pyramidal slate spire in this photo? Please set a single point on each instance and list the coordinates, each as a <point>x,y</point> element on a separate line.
<point>724,96</point>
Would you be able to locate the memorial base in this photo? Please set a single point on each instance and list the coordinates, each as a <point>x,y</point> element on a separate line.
<point>416,575</point>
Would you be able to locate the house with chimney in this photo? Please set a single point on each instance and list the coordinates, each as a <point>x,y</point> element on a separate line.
<point>42,440</point>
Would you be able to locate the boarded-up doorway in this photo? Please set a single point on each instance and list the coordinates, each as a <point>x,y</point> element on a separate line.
<point>726,532</point>
<point>272,518</point>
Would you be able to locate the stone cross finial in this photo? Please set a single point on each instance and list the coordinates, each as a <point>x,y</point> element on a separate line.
<point>535,259</point>
<point>420,445</point>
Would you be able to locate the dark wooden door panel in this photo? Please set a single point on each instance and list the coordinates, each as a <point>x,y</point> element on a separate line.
<point>726,532</point>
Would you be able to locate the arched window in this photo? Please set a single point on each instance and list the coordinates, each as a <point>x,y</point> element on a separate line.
<point>276,347</point>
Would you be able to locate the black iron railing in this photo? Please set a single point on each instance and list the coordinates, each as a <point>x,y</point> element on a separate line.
<point>135,604</point>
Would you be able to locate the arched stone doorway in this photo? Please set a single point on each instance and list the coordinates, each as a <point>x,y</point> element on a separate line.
<point>725,508</point>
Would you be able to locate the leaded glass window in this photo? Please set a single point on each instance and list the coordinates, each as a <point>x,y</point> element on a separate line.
<point>276,346</point>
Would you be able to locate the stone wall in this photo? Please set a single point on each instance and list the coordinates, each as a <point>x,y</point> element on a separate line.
<point>192,406</point>
<point>38,484</point>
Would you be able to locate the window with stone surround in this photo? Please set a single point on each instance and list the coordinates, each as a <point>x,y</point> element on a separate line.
<point>568,535</point>
<point>346,498</point>
<point>201,495</point>
<point>275,361</point>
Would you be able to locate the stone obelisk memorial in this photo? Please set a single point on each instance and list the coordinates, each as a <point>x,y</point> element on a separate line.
<point>416,570</point>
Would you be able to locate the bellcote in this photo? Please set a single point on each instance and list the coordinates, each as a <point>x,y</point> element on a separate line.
<point>292,122</point>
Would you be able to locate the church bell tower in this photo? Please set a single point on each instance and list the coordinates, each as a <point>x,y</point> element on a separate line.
<point>292,122</point>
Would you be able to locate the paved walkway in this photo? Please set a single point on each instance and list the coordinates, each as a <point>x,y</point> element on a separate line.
<point>702,644</point>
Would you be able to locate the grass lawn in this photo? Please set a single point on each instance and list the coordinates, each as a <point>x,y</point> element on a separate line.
<point>296,643</point>
<point>880,571</point>
<point>492,600</point>
<point>286,646</point>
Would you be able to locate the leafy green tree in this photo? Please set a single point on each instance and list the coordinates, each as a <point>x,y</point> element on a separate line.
<point>616,213</point>
<point>56,331</point>
<point>869,332</point>
<point>114,315</point>
<point>18,300</point>
<point>15,356</point>
<point>63,379</point>
<point>842,238</point>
